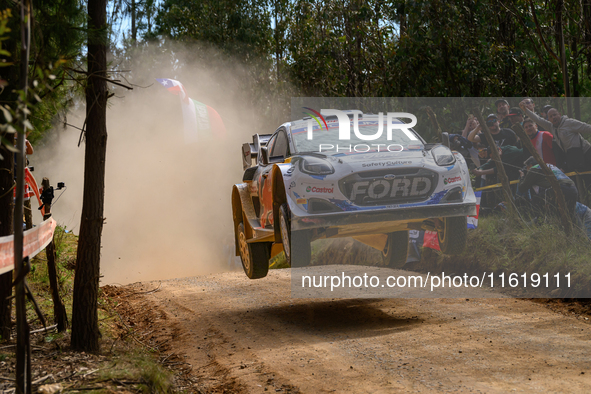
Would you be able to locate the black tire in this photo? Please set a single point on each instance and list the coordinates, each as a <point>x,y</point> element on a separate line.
<point>299,240</point>
<point>454,236</point>
<point>254,256</point>
<point>395,253</point>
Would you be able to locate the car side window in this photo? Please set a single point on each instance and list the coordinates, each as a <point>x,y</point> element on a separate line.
<point>281,147</point>
<point>269,146</point>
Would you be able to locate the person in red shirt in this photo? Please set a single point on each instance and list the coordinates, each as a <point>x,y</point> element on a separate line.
<point>542,140</point>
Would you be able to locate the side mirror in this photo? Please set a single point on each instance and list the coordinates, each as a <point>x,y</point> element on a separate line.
<point>264,156</point>
<point>445,139</point>
<point>246,157</point>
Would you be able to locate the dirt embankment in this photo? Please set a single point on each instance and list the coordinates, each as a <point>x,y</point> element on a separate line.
<point>232,334</point>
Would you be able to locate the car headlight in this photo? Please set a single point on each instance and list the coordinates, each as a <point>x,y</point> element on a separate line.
<point>316,166</point>
<point>443,155</point>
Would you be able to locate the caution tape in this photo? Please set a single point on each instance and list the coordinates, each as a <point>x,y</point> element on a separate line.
<point>34,241</point>
<point>574,173</point>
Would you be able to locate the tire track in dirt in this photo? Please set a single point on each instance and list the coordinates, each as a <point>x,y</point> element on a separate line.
<point>250,336</point>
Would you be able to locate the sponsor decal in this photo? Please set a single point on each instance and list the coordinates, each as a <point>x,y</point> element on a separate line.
<point>301,201</point>
<point>387,163</point>
<point>449,181</point>
<point>318,189</point>
<point>382,188</point>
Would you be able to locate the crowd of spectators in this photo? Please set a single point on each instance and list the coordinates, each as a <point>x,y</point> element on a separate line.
<point>558,140</point>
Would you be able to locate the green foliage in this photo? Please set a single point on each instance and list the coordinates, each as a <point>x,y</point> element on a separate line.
<point>141,367</point>
<point>239,27</point>
<point>502,245</point>
<point>401,48</point>
<point>57,36</point>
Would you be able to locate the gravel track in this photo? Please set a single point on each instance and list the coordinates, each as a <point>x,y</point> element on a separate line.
<point>250,336</point>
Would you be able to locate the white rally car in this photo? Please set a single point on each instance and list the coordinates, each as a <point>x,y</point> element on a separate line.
<point>303,183</point>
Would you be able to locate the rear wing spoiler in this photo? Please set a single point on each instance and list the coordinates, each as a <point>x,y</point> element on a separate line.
<point>250,152</point>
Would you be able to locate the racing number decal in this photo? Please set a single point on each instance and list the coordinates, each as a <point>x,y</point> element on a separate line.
<point>266,198</point>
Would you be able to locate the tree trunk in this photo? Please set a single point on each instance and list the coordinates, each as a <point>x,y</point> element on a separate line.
<point>501,175</point>
<point>575,77</point>
<point>133,27</point>
<point>85,330</point>
<point>563,61</point>
<point>587,32</point>
<point>6,217</point>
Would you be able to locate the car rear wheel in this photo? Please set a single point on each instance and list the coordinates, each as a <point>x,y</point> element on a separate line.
<point>453,236</point>
<point>395,253</point>
<point>298,241</point>
<point>254,256</point>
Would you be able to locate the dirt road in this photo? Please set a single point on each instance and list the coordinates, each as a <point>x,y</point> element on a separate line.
<point>249,336</point>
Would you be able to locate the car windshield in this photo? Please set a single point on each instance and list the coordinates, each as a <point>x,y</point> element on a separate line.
<point>324,140</point>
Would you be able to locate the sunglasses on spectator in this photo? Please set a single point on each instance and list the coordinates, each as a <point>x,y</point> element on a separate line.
<point>491,122</point>
<point>528,102</point>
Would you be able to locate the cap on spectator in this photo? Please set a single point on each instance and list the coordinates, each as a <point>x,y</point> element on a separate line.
<point>546,108</point>
<point>515,111</point>
<point>490,116</point>
<point>501,101</point>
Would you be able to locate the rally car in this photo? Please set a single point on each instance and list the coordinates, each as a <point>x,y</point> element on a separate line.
<point>305,182</point>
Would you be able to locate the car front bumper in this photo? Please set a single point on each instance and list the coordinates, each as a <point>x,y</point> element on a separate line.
<point>367,222</point>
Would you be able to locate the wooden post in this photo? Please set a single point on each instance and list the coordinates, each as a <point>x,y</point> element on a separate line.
<point>59,311</point>
<point>434,122</point>
<point>526,142</point>
<point>497,159</point>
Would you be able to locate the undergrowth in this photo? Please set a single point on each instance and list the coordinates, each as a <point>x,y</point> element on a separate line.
<point>503,245</point>
<point>124,365</point>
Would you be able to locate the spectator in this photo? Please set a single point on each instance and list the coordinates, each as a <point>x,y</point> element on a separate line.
<point>536,178</point>
<point>544,111</point>
<point>465,147</point>
<point>471,124</point>
<point>544,114</point>
<point>542,140</point>
<point>515,116</point>
<point>529,104</point>
<point>501,136</point>
<point>502,112</point>
<point>568,136</point>
<point>583,218</point>
<point>512,159</point>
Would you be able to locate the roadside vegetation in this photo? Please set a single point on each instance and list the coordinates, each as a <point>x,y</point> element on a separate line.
<point>502,245</point>
<point>498,245</point>
<point>128,363</point>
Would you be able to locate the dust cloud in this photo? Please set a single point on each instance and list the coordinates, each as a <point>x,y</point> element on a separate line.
<point>167,203</point>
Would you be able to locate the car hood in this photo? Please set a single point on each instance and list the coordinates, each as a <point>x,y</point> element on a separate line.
<point>380,160</point>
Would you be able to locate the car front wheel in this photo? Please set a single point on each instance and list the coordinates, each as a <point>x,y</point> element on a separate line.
<point>395,253</point>
<point>296,246</point>
<point>453,236</point>
<point>254,256</point>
